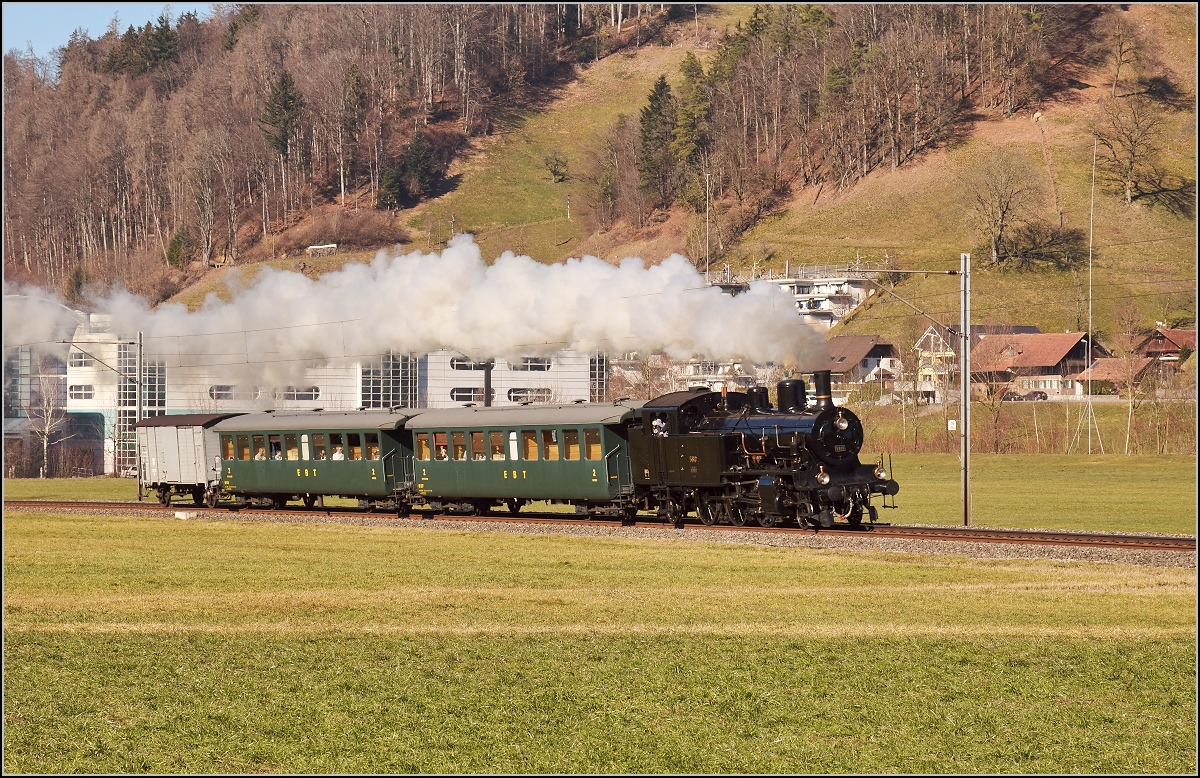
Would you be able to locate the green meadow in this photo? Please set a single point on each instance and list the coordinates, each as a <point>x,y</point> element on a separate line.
<point>158,645</point>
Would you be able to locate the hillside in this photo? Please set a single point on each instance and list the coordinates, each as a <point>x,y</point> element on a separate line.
<point>916,216</point>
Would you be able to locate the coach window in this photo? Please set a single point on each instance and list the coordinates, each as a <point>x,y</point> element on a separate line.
<point>274,447</point>
<point>439,447</point>
<point>335,446</point>
<point>496,445</point>
<point>372,440</point>
<point>243,446</point>
<point>304,446</point>
<point>227,447</point>
<point>318,445</point>
<point>513,450</point>
<point>529,445</point>
<point>353,446</point>
<point>289,445</point>
<point>591,443</point>
<point>259,446</point>
<point>550,445</point>
<point>459,442</point>
<point>423,446</point>
<point>478,450</point>
<point>571,443</point>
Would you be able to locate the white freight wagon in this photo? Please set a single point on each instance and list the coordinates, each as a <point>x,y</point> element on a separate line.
<point>178,455</point>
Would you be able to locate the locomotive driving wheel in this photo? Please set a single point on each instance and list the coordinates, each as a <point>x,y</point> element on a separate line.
<point>711,512</point>
<point>768,520</point>
<point>738,516</point>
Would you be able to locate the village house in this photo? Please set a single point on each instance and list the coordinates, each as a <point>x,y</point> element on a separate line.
<point>1168,345</point>
<point>1048,361</point>
<point>859,359</point>
<point>937,357</point>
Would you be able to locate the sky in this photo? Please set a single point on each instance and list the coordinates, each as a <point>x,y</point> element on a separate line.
<point>48,26</point>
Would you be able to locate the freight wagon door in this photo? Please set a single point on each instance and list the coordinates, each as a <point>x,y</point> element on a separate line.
<point>186,456</point>
<point>199,460</point>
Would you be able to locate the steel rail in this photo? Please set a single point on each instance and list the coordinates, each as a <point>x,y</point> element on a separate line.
<point>880,531</point>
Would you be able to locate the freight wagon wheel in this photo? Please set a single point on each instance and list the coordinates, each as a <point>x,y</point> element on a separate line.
<point>211,499</point>
<point>164,495</point>
<point>198,495</point>
<point>309,501</point>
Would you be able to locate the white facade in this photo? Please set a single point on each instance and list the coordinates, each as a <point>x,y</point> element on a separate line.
<point>826,301</point>
<point>102,365</point>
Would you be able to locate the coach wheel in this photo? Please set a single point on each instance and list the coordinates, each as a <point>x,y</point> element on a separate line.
<point>738,516</point>
<point>278,502</point>
<point>629,516</point>
<point>403,510</point>
<point>164,495</point>
<point>309,501</point>
<point>210,499</point>
<point>515,505</point>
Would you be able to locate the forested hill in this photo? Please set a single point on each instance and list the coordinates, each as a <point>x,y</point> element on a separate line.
<point>149,153</point>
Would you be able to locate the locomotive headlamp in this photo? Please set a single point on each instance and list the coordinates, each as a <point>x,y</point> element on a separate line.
<point>881,472</point>
<point>822,476</point>
<point>842,422</point>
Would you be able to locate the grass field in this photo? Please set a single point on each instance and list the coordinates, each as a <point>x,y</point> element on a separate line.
<point>151,645</point>
<point>1109,492</point>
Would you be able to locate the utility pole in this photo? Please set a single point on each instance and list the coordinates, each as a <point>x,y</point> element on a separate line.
<point>707,202</point>
<point>965,385</point>
<point>141,378</point>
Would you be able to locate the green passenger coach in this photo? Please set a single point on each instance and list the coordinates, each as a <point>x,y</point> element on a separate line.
<point>472,458</point>
<point>277,457</point>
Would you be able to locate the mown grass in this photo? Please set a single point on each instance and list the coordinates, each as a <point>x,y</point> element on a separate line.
<point>142,645</point>
<point>1099,492</point>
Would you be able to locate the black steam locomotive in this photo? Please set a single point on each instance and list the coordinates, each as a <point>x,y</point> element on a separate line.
<point>733,459</point>
<point>727,456</point>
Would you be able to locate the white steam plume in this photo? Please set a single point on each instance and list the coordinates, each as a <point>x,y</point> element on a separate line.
<point>417,302</point>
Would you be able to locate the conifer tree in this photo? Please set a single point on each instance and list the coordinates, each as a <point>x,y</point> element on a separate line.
<point>656,163</point>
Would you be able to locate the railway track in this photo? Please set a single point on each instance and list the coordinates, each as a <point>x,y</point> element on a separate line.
<point>889,531</point>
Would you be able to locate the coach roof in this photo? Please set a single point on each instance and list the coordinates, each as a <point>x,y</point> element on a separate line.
<point>185,420</point>
<point>516,416</point>
<point>320,420</point>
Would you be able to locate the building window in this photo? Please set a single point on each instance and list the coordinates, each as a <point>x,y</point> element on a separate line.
<point>390,382</point>
<point>298,393</point>
<point>79,359</point>
<point>458,363</point>
<point>81,392</point>
<point>465,394</point>
<point>531,363</point>
<point>598,378</point>
<point>529,395</point>
<point>226,392</point>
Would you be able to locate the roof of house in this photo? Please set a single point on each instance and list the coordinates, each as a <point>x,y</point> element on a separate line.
<point>1115,369</point>
<point>978,332</point>
<point>1176,338</point>
<point>846,351</point>
<point>998,352</point>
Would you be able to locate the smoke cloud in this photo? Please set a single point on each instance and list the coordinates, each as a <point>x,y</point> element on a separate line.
<point>420,302</point>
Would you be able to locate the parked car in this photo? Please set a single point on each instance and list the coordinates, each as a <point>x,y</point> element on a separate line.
<point>1036,394</point>
<point>1010,396</point>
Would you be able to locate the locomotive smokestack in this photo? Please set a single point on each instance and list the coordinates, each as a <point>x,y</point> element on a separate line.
<point>822,389</point>
<point>759,399</point>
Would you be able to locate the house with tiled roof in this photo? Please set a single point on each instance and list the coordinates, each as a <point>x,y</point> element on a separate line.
<point>1168,345</point>
<point>937,355</point>
<point>1109,375</point>
<point>856,359</point>
<point>1024,361</point>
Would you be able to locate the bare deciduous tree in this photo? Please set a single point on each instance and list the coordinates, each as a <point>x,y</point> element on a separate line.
<point>1127,129</point>
<point>1002,194</point>
<point>48,407</point>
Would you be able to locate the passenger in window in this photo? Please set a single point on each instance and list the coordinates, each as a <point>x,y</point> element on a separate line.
<point>337,453</point>
<point>372,451</point>
<point>261,454</point>
<point>278,455</point>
